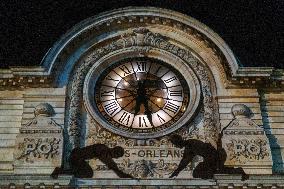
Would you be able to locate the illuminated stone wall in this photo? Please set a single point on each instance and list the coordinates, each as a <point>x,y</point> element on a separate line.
<point>47,111</point>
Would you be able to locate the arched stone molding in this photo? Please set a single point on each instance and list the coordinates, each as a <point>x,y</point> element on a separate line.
<point>141,42</point>
<point>182,29</point>
<point>135,43</point>
<point>206,44</point>
<point>186,31</point>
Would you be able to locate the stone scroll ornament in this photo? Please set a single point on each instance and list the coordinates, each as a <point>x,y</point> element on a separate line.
<point>245,142</point>
<point>39,143</point>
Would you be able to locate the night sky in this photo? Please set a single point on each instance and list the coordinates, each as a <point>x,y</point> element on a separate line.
<point>254,29</point>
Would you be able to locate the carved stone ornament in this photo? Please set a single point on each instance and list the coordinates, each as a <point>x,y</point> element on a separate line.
<point>130,43</point>
<point>245,150</point>
<point>138,42</point>
<point>246,143</point>
<point>39,143</point>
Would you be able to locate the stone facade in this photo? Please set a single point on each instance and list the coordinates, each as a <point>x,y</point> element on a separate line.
<point>39,144</point>
<point>48,111</point>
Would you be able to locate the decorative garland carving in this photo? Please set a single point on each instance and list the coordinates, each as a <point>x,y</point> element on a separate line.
<point>140,38</point>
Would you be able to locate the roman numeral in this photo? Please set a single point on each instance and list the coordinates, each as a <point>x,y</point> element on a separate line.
<point>110,78</point>
<point>162,120</point>
<point>170,79</point>
<point>142,122</point>
<point>172,107</point>
<point>125,70</point>
<point>156,72</point>
<point>141,66</point>
<point>176,93</point>
<point>111,107</point>
<point>107,93</point>
<point>124,118</point>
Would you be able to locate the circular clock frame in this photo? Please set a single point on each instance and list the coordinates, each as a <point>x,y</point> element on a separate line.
<point>176,63</point>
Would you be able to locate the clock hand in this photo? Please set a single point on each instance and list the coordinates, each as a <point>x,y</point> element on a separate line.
<point>139,98</point>
<point>147,111</point>
<point>161,97</point>
<point>124,96</point>
<point>137,106</point>
<point>130,91</point>
<point>144,99</point>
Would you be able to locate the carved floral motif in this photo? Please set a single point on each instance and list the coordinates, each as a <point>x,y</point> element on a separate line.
<point>98,134</point>
<point>147,168</point>
<point>243,150</point>
<point>40,143</point>
<point>40,148</point>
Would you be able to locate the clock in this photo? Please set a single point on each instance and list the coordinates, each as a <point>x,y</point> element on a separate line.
<point>141,97</point>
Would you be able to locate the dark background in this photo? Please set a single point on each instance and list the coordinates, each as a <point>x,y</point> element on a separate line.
<point>253,29</point>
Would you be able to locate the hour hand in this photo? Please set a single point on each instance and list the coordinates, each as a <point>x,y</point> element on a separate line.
<point>137,105</point>
<point>148,112</point>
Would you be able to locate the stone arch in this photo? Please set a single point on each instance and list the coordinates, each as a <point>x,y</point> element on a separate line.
<point>204,42</point>
<point>140,42</point>
<point>141,30</point>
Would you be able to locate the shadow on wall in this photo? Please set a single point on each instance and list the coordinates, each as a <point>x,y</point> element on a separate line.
<point>213,160</point>
<point>274,146</point>
<point>80,168</point>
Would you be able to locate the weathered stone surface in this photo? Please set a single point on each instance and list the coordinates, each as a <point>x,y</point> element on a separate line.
<point>273,123</point>
<point>39,144</point>
<point>168,36</point>
<point>246,143</point>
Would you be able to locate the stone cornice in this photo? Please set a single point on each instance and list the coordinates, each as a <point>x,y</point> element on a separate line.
<point>250,77</point>
<point>219,181</point>
<point>85,31</point>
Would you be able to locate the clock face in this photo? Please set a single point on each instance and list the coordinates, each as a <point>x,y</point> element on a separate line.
<point>141,95</point>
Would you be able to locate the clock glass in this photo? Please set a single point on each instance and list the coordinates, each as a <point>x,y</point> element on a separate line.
<point>141,95</point>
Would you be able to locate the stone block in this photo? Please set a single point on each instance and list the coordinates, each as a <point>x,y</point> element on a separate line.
<point>14,124</point>
<point>10,118</point>
<point>39,144</point>
<point>7,143</point>
<point>246,144</point>
<point>11,107</point>
<point>6,154</point>
<point>6,167</point>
